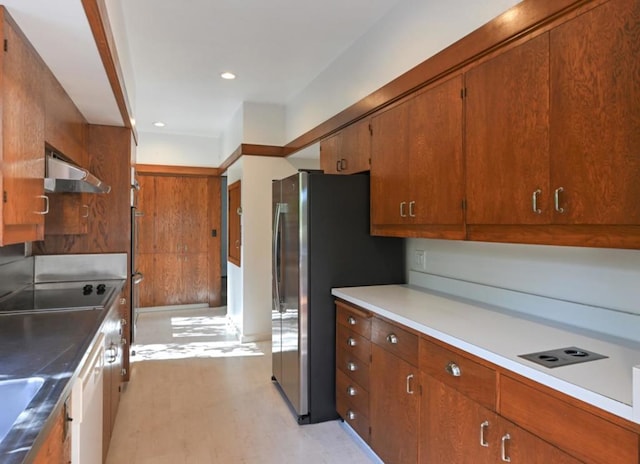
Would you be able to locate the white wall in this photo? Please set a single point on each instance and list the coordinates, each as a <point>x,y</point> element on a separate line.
<point>234,273</point>
<point>410,33</point>
<point>593,288</point>
<point>263,124</point>
<point>178,150</point>
<point>249,287</point>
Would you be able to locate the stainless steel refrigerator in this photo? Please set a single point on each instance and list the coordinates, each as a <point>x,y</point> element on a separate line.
<point>320,240</point>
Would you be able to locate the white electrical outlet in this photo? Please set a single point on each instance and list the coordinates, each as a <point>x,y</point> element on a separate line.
<point>419,260</point>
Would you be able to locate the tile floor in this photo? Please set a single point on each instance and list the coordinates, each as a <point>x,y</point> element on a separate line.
<point>197,395</point>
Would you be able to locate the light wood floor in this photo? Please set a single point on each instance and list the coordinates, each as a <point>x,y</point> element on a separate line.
<point>197,395</point>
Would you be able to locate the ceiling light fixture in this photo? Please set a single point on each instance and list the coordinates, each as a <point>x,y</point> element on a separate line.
<point>159,124</point>
<point>228,75</point>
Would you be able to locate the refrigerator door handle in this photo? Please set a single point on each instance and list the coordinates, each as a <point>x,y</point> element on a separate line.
<point>276,259</point>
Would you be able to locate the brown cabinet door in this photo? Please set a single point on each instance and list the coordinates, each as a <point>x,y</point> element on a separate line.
<point>68,214</point>
<point>169,214</point>
<point>507,137</point>
<point>234,223</point>
<point>168,279</point>
<point>329,161</point>
<point>146,214</point>
<point>389,167</point>
<point>393,401</point>
<point>434,172</point>
<point>195,275</point>
<point>22,141</point>
<point>195,214</point>
<point>348,151</point>
<point>516,445</point>
<point>454,428</point>
<point>595,115</point>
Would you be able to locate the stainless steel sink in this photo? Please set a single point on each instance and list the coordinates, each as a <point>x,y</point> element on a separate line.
<point>15,396</point>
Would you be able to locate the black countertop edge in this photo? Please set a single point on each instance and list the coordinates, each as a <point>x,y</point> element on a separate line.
<point>29,432</point>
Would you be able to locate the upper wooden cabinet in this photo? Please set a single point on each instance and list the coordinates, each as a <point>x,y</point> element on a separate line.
<point>22,157</point>
<point>348,151</point>
<point>507,137</point>
<point>552,131</point>
<point>595,116</point>
<point>417,186</point>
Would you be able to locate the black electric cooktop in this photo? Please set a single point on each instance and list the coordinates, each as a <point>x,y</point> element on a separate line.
<point>57,297</point>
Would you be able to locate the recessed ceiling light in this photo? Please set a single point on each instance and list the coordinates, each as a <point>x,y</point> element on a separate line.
<point>159,124</point>
<point>228,75</point>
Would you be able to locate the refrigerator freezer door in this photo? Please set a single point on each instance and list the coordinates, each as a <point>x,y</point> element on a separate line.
<point>292,274</point>
<point>276,278</point>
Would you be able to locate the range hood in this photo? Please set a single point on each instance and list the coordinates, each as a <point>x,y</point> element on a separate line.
<point>62,176</point>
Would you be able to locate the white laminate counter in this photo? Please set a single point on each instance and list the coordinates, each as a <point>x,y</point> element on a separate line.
<point>499,337</point>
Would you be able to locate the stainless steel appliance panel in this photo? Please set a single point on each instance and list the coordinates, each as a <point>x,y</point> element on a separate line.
<point>276,279</point>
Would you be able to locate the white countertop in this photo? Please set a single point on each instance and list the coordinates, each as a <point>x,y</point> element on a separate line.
<point>499,337</point>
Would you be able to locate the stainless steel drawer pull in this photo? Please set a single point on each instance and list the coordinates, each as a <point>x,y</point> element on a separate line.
<point>123,341</point>
<point>46,205</point>
<point>392,338</point>
<point>351,415</point>
<point>351,391</point>
<point>504,456</point>
<point>483,427</point>
<point>453,369</point>
<point>412,206</point>
<point>534,201</point>
<point>351,320</point>
<point>352,366</point>
<point>402,212</point>
<point>409,387</point>
<point>351,341</point>
<point>123,322</point>
<point>556,197</point>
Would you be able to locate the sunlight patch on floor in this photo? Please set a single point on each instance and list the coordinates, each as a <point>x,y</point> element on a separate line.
<point>166,351</point>
<point>196,335</point>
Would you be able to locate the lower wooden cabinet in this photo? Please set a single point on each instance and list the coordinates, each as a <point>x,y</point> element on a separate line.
<point>56,448</point>
<point>456,429</point>
<point>394,400</point>
<point>420,400</point>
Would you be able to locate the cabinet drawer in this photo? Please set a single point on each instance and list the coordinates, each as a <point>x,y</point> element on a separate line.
<point>357,395</point>
<point>578,432</point>
<point>395,339</point>
<point>353,367</point>
<point>473,379</point>
<point>353,344</point>
<point>352,416</point>
<point>357,320</point>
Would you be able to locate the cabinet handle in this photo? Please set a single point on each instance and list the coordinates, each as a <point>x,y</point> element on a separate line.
<point>351,320</point>
<point>123,322</point>
<point>123,341</point>
<point>123,372</point>
<point>338,166</point>
<point>483,426</point>
<point>351,415</point>
<point>351,341</point>
<point>237,243</point>
<point>556,197</point>
<point>343,164</point>
<point>453,369</point>
<point>392,338</point>
<point>412,205</point>
<point>409,388</point>
<point>351,391</point>
<point>534,201</point>
<point>402,205</point>
<point>186,248</point>
<point>86,208</point>
<point>46,205</point>
<point>351,366</point>
<point>112,354</point>
<point>504,456</point>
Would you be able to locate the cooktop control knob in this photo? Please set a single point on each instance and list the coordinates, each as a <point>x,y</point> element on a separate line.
<point>101,289</point>
<point>87,289</point>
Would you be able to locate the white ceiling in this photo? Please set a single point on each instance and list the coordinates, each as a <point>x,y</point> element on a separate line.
<point>177,51</point>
